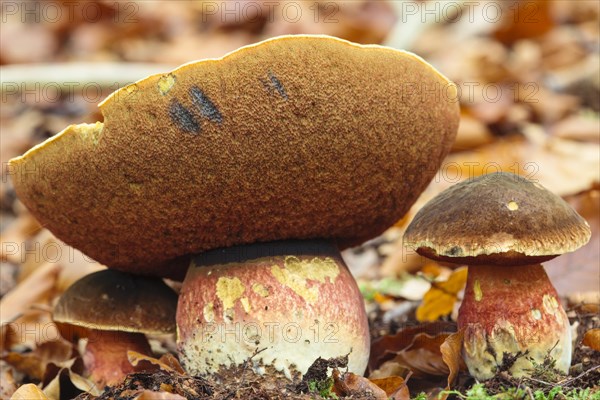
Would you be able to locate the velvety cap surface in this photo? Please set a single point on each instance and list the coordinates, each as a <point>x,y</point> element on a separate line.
<point>297,137</point>
<point>498,218</point>
<point>116,301</point>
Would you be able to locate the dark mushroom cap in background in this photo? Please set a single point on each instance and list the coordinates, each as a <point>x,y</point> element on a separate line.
<point>498,218</point>
<point>297,137</point>
<point>111,300</point>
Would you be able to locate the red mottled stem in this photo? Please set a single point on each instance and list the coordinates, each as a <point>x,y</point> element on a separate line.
<point>105,355</point>
<point>281,304</point>
<point>513,310</point>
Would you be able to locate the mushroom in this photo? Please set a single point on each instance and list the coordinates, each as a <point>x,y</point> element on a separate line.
<point>281,304</point>
<point>295,138</point>
<point>502,226</point>
<point>115,310</point>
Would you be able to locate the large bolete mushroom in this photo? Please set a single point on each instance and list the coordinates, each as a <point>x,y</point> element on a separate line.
<point>114,311</point>
<point>292,139</point>
<point>503,226</point>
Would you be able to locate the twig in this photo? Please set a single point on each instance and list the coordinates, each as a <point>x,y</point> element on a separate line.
<point>17,77</point>
<point>584,373</point>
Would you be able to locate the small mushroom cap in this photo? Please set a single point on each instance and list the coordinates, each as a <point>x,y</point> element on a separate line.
<point>498,218</point>
<point>116,301</point>
<point>297,137</point>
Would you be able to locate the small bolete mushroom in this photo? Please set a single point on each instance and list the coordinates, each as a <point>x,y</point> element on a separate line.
<point>295,138</point>
<point>502,226</point>
<point>116,310</point>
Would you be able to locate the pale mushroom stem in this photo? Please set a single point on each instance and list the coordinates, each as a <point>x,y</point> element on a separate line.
<point>105,355</point>
<point>513,310</point>
<point>280,304</point>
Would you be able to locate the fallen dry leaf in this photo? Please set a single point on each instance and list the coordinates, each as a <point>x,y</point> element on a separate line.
<point>29,392</point>
<point>33,364</point>
<point>471,133</point>
<point>167,362</point>
<point>564,167</point>
<point>68,384</point>
<point>36,288</point>
<point>451,351</point>
<point>580,127</point>
<point>75,265</point>
<point>394,387</point>
<point>350,384</point>
<point>386,347</point>
<point>424,357</point>
<point>440,298</point>
<point>578,272</point>
<point>523,19</point>
<point>15,236</point>
<point>592,339</point>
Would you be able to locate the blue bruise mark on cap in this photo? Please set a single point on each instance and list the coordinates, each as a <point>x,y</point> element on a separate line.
<point>207,108</point>
<point>274,85</point>
<point>183,118</point>
<point>277,85</point>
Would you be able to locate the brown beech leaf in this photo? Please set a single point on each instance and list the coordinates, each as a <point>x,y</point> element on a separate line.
<point>34,363</point>
<point>577,272</point>
<point>386,347</point>
<point>424,357</point>
<point>35,288</point>
<point>451,351</point>
<point>29,392</point>
<point>68,384</point>
<point>523,19</point>
<point>440,299</point>
<point>167,362</point>
<point>171,361</point>
<point>565,167</point>
<point>13,238</point>
<point>394,387</point>
<point>350,384</point>
<point>592,339</point>
<point>75,265</point>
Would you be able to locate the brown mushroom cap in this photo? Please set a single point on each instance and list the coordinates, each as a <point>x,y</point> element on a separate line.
<point>297,137</point>
<point>498,218</point>
<point>111,300</point>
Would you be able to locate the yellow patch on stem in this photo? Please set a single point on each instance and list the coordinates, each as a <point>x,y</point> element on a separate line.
<point>296,273</point>
<point>260,290</point>
<point>229,290</point>
<point>477,290</point>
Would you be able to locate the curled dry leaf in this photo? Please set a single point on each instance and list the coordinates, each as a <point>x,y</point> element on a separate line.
<point>451,351</point>
<point>440,298</point>
<point>592,339</point>
<point>68,384</point>
<point>386,347</point>
<point>424,357</point>
<point>350,384</point>
<point>167,362</point>
<point>29,392</point>
<point>394,387</point>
